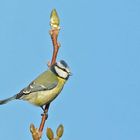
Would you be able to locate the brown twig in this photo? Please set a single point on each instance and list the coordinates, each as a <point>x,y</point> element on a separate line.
<point>54,22</point>
<point>54,35</point>
<point>56,45</point>
<point>44,118</point>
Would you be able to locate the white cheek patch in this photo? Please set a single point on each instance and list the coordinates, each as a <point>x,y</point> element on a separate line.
<point>60,72</point>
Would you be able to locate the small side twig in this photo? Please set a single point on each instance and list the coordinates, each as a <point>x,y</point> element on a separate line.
<point>59,133</point>
<point>35,133</point>
<point>54,22</point>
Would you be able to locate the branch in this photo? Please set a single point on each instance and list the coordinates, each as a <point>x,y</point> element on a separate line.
<point>54,23</point>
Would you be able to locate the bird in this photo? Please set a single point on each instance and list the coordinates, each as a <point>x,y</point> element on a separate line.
<point>46,87</point>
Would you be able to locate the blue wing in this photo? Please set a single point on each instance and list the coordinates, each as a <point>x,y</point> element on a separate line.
<point>45,81</point>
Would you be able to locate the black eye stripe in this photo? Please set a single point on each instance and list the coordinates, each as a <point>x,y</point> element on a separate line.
<point>62,68</point>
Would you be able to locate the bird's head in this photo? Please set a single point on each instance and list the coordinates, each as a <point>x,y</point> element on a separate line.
<point>61,69</point>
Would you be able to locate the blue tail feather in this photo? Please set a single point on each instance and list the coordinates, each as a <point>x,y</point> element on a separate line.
<point>7,100</point>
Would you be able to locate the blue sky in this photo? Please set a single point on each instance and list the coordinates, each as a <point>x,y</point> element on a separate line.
<point>100,41</point>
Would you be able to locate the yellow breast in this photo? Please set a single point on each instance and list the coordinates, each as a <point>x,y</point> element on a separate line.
<point>44,97</point>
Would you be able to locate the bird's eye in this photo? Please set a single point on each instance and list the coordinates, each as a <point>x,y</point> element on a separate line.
<point>64,70</point>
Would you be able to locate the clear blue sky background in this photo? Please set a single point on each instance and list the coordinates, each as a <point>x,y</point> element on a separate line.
<point>100,39</point>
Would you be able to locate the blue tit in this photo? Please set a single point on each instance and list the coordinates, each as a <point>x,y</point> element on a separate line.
<point>46,87</point>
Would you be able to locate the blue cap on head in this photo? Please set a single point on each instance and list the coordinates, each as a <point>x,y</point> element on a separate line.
<point>64,63</point>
